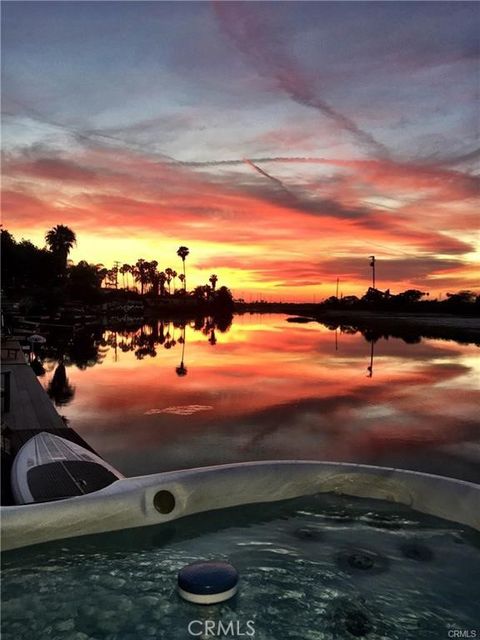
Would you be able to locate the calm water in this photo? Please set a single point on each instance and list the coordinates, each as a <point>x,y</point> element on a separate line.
<point>167,397</point>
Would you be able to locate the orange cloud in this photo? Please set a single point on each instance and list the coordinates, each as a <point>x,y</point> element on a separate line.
<point>245,225</point>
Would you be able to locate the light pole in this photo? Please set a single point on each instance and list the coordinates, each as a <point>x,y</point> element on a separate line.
<point>372,264</point>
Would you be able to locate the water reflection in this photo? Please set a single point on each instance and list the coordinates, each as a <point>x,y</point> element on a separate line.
<point>59,388</point>
<point>183,393</point>
<point>88,346</point>
<point>145,340</point>
<point>181,370</point>
<point>372,354</point>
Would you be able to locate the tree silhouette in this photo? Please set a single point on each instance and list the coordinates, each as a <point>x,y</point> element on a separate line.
<point>25,265</point>
<point>213,280</point>
<point>461,297</point>
<point>169,274</point>
<point>181,277</point>
<point>153,277</point>
<point>181,370</point>
<point>60,240</point>
<point>84,280</point>
<point>140,273</point>
<point>410,296</point>
<point>201,292</point>
<point>59,388</point>
<point>183,252</point>
<point>125,269</point>
<point>162,279</point>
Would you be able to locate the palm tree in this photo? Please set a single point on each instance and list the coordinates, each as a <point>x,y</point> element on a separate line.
<point>183,253</point>
<point>169,273</point>
<point>162,280</point>
<point>101,272</point>
<point>60,240</point>
<point>174,275</point>
<point>109,278</point>
<point>213,279</point>
<point>140,273</point>
<point>153,277</point>
<point>125,268</point>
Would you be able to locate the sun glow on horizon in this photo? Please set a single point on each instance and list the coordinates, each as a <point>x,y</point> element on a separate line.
<point>281,169</point>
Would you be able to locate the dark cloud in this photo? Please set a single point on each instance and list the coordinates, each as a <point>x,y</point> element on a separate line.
<point>356,269</point>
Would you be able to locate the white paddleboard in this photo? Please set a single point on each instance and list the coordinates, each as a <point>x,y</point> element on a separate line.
<point>49,467</point>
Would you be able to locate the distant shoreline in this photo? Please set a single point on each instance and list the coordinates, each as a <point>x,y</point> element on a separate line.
<point>462,328</point>
<point>410,323</point>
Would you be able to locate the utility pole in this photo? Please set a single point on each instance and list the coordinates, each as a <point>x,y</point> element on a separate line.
<point>372,264</point>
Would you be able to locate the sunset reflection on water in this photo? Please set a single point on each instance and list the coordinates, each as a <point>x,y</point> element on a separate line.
<point>267,389</point>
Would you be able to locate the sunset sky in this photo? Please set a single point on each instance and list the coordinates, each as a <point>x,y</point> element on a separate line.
<point>282,142</point>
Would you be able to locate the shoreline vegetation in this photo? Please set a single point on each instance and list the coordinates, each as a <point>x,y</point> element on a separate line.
<point>44,286</point>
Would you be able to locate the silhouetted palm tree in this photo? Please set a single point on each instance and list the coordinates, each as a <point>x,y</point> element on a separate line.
<point>125,269</point>
<point>213,280</point>
<point>154,277</point>
<point>183,252</point>
<point>140,273</point>
<point>162,280</point>
<point>60,240</point>
<point>169,274</point>
<point>174,275</point>
<point>202,293</point>
<point>110,278</point>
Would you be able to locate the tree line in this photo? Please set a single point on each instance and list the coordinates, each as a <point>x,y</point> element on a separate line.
<point>47,272</point>
<point>412,299</point>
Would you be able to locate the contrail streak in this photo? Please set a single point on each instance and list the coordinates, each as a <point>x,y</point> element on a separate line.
<point>235,161</point>
<point>86,136</point>
<point>278,182</point>
<point>270,60</point>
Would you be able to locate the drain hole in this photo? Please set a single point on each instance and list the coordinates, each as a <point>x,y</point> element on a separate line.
<point>352,617</point>
<point>164,501</point>
<point>417,551</point>
<point>361,561</point>
<point>357,624</point>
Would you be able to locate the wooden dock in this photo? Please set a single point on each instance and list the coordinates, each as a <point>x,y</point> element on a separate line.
<point>26,410</point>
